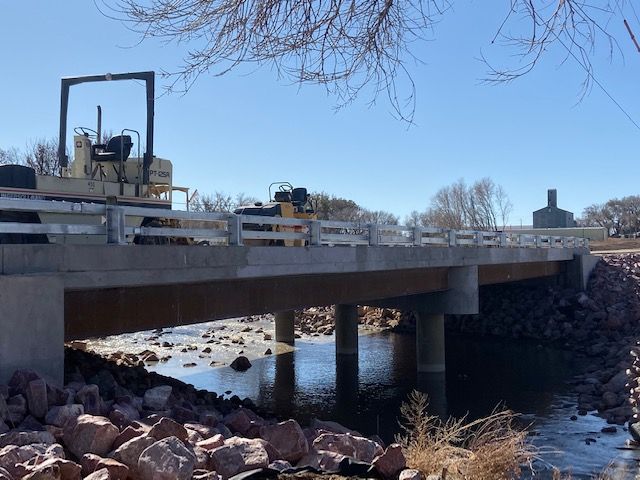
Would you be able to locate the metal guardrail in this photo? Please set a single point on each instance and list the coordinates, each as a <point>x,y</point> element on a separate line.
<point>231,229</point>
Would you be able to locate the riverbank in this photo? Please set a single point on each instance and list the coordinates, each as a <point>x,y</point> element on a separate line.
<point>117,421</point>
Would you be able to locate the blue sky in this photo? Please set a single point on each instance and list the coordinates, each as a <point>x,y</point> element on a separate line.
<point>240,132</point>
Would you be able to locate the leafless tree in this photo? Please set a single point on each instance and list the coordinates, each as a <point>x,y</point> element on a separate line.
<point>42,156</point>
<point>481,206</point>
<point>219,202</point>
<point>574,27</point>
<point>342,44</point>
<point>9,156</point>
<point>347,45</point>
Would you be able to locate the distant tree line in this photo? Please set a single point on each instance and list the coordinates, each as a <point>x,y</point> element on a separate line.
<point>40,154</point>
<point>331,207</point>
<point>620,216</point>
<point>219,202</point>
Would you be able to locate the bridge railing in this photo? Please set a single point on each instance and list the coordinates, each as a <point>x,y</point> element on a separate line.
<point>121,224</point>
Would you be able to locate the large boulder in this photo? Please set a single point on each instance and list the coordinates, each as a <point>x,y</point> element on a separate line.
<point>238,455</point>
<point>36,393</point>
<point>91,434</point>
<point>92,463</point>
<point>287,437</point>
<point>12,455</point>
<point>166,459</point>
<point>132,431</point>
<point>89,397</point>
<point>26,438</point>
<point>67,469</point>
<point>102,474</point>
<point>241,364</point>
<point>156,398</point>
<point>242,421</point>
<point>123,414</point>
<point>60,416</point>
<point>167,427</point>
<point>129,452</point>
<point>211,442</point>
<point>20,379</point>
<point>322,460</point>
<point>360,448</point>
<point>332,427</point>
<point>410,474</point>
<point>390,462</point>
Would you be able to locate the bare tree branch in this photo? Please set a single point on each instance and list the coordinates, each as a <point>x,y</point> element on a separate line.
<point>347,45</point>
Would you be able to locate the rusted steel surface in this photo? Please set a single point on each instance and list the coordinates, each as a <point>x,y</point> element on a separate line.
<point>118,310</point>
<point>112,311</point>
<point>513,272</point>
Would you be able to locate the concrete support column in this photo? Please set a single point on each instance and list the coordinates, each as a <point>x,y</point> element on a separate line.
<point>430,342</point>
<point>32,326</point>
<point>346,329</point>
<point>285,326</point>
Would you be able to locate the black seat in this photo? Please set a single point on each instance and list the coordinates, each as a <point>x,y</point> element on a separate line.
<point>116,148</point>
<point>299,196</point>
<point>282,197</point>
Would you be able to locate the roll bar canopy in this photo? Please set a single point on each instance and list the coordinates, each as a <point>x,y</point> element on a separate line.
<point>67,82</point>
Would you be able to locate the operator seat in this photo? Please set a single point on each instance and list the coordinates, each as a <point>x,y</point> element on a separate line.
<point>118,147</point>
<point>299,196</point>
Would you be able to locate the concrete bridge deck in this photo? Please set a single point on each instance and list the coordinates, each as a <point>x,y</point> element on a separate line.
<point>52,293</point>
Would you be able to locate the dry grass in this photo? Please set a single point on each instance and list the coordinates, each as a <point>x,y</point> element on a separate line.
<point>491,447</point>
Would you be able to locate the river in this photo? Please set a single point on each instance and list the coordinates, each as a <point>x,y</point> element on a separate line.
<point>365,393</point>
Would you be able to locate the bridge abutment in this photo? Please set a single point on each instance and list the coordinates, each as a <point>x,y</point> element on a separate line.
<point>579,270</point>
<point>285,326</point>
<point>32,326</point>
<point>346,329</point>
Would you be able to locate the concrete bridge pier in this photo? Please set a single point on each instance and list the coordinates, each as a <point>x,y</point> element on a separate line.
<point>346,329</point>
<point>32,326</point>
<point>285,331</point>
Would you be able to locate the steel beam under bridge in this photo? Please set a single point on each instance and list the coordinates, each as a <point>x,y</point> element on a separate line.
<point>110,311</point>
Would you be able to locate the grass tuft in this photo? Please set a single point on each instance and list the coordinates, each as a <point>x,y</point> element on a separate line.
<point>458,449</point>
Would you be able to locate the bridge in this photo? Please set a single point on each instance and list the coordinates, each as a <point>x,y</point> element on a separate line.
<point>52,293</point>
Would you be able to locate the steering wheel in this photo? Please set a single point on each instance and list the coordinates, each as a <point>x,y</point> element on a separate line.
<point>284,188</point>
<point>87,132</point>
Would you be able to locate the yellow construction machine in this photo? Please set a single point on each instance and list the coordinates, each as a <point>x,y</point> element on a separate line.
<point>285,201</point>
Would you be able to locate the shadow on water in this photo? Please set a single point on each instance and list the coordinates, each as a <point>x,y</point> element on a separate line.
<point>366,391</point>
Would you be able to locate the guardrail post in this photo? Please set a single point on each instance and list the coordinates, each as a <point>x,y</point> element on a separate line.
<point>503,240</point>
<point>234,225</point>
<point>315,233</point>
<point>453,237</point>
<point>522,240</point>
<point>115,225</point>
<point>479,238</point>
<point>373,234</point>
<point>417,236</point>
<point>537,240</point>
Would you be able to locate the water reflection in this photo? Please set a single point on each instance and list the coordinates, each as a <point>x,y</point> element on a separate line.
<point>365,391</point>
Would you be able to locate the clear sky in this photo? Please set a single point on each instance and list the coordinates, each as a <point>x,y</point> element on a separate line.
<point>240,132</point>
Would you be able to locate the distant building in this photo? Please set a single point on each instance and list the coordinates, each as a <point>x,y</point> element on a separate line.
<point>551,216</point>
